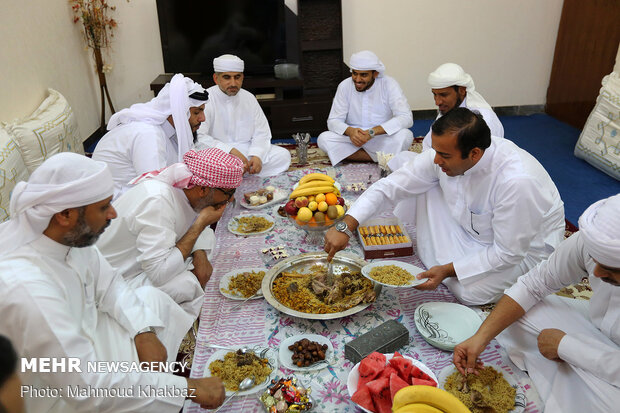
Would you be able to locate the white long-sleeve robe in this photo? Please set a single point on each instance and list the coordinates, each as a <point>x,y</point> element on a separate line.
<point>239,122</point>
<point>61,302</point>
<point>384,104</point>
<point>588,380</point>
<point>141,241</point>
<point>135,148</point>
<point>499,219</point>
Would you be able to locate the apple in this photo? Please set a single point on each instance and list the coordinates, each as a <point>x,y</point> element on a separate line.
<point>340,201</point>
<point>301,201</point>
<point>290,207</point>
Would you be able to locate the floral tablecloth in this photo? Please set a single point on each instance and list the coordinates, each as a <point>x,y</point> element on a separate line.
<point>257,323</point>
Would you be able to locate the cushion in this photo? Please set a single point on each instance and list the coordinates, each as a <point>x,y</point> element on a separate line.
<point>12,170</point>
<point>599,142</point>
<point>50,129</point>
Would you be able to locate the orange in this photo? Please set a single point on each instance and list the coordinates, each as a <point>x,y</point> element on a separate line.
<point>331,198</point>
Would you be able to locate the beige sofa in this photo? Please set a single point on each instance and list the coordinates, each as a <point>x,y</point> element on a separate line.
<point>25,143</point>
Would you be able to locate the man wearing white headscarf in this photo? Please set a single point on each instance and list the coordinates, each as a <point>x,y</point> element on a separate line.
<point>369,114</point>
<point>569,347</point>
<point>452,88</point>
<point>149,136</point>
<point>235,122</point>
<point>160,231</point>
<point>59,298</point>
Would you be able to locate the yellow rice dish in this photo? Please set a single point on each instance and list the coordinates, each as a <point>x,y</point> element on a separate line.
<point>237,366</point>
<point>314,293</point>
<point>391,274</point>
<point>251,224</point>
<point>489,389</point>
<point>245,284</point>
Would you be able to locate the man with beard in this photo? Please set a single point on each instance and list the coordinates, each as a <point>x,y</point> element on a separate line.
<point>162,226</point>
<point>570,348</point>
<point>152,135</point>
<point>236,123</point>
<point>60,299</point>
<point>369,114</point>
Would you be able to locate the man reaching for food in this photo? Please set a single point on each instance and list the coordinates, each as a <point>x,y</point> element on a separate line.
<point>570,348</point>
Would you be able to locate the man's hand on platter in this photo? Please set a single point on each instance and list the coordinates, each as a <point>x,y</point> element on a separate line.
<point>149,348</point>
<point>359,137</point>
<point>210,215</point>
<point>549,341</point>
<point>202,267</point>
<point>208,392</point>
<point>256,165</point>
<point>246,163</point>
<point>334,242</point>
<point>466,354</point>
<point>435,275</point>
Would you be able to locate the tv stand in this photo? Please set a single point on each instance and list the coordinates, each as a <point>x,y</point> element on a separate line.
<point>286,108</point>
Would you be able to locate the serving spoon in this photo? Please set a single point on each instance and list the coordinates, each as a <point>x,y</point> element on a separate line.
<point>245,384</point>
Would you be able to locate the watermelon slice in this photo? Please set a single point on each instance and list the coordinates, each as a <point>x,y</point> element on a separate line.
<point>421,382</point>
<point>380,393</point>
<point>387,372</point>
<point>419,374</point>
<point>403,367</point>
<point>369,369</point>
<point>397,354</point>
<point>396,383</point>
<point>377,356</point>
<point>362,398</point>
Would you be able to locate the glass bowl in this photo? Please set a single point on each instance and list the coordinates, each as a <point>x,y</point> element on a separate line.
<point>315,232</point>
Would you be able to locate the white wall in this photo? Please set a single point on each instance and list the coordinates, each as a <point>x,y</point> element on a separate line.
<point>506,45</point>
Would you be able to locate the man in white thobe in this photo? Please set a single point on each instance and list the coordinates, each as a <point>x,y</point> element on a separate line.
<point>149,136</point>
<point>369,114</point>
<point>570,348</point>
<point>236,123</point>
<point>157,236</point>
<point>451,88</point>
<point>505,214</point>
<point>60,299</point>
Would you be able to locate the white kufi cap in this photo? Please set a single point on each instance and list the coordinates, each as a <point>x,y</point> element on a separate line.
<point>227,63</point>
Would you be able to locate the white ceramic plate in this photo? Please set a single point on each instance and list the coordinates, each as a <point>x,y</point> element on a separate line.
<point>278,195</point>
<point>411,269</point>
<point>520,399</point>
<point>225,280</point>
<point>233,224</point>
<point>273,362</point>
<point>286,354</point>
<point>444,325</point>
<point>354,375</point>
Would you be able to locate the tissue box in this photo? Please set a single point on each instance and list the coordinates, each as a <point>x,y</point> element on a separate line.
<point>386,338</point>
<point>383,238</point>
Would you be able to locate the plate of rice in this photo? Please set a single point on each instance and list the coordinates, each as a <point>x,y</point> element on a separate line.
<point>499,390</point>
<point>393,273</point>
<point>242,283</point>
<point>232,367</point>
<point>251,224</point>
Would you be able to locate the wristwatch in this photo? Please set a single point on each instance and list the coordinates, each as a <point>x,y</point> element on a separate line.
<point>147,330</point>
<point>371,132</point>
<point>344,228</point>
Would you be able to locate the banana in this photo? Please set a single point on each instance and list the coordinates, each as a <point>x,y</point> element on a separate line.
<point>311,191</point>
<point>313,183</point>
<point>316,175</point>
<point>433,396</point>
<point>418,408</point>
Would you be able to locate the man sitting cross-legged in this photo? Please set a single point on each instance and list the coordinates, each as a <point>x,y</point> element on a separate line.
<point>160,222</point>
<point>60,299</point>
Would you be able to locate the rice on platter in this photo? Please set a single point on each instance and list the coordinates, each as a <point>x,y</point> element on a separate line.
<point>250,224</point>
<point>236,366</point>
<point>391,274</point>
<point>488,389</point>
<point>245,284</point>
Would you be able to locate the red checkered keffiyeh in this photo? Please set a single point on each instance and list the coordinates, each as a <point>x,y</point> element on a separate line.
<point>214,168</point>
<point>211,167</point>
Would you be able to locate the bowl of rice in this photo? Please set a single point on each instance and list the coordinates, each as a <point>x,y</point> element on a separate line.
<point>392,273</point>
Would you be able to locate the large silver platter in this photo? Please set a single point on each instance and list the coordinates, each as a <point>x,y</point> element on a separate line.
<point>302,263</point>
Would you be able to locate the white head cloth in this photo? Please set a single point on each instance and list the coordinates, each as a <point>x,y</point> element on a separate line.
<point>366,60</point>
<point>599,226</point>
<point>173,100</point>
<point>451,74</point>
<point>227,63</point>
<point>65,180</point>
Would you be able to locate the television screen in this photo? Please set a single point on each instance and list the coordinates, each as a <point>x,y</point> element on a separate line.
<point>194,32</point>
